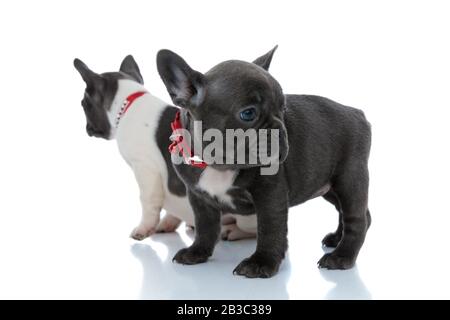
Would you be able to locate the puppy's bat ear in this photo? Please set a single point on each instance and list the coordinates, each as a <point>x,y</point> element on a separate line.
<point>90,77</point>
<point>130,67</point>
<point>265,60</point>
<point>185,85</point>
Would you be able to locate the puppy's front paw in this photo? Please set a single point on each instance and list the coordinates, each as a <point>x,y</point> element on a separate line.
<point>332,261</point>
<point>257,267</point>
<point>191,256</point>
<point>142,231</point>
<point>331,240</point>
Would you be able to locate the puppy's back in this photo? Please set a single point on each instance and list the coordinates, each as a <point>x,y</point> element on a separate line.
<point>324,136</point>
<point>323,118</point>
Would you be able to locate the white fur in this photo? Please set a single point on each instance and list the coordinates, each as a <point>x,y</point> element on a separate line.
<point>137,145</point>
<point>217,183</point>
<point>135,137</point>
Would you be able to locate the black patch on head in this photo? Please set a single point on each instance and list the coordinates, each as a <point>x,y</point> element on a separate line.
<point>175,185</point>
<point>99,95</point>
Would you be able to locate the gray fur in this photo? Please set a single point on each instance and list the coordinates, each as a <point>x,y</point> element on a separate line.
<point>163,133</point>
<point>329,144</point>
<point>100,92</point>
<point>265,60</point>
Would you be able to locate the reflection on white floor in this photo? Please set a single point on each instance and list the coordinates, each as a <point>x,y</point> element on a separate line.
<point>347,285</point>
<point>214,279</point>
<point>206,281</point>
<point>163,279</point>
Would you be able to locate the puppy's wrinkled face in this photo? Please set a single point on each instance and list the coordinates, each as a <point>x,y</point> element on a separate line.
<point>100,92</point>
<point>232,95</point>
<point>239,94</point>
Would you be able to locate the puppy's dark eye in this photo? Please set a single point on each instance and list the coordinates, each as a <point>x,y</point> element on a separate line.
<point>248,114</point>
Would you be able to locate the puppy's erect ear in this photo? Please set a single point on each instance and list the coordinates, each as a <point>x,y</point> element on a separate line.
<point>264,61</point>
<point>130,67</point>
<point>90,77</point>
<point>185,85</point>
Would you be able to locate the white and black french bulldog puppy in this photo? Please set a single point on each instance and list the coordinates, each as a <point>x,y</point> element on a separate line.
<point>323,151</point>
<point>117,106</point>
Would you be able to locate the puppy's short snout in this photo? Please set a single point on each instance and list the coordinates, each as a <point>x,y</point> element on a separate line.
<point>89,130</point>
<point>93,131</point>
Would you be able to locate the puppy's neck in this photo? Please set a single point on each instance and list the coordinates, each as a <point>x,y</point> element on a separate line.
<point>125,88</point>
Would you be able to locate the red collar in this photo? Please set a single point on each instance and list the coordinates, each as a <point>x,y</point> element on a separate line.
<point>178,145</point>
<point>127,104</point>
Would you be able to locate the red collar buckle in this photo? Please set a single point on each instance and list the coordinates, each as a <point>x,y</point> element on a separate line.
<point>178,145</point>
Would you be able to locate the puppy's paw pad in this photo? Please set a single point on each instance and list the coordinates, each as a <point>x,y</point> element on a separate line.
<point>331,240</point>
<point>141,232</point>
<point>257,267</point>
<point>332,261</point>
<point>191,256</point>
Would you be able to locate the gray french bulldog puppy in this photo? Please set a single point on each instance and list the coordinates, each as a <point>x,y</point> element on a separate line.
<point>327,155</point>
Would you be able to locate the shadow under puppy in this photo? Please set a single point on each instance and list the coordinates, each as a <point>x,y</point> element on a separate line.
<point>327,155</point>
<point>117,106</point>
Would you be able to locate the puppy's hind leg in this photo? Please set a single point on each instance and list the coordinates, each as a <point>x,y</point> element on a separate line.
<point>352,190</point>
<point>332,239</point>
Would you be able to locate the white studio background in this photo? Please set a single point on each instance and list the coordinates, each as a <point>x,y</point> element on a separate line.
<point>69,201</point>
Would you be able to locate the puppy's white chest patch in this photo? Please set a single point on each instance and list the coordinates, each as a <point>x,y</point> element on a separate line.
<point>217,183</point>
